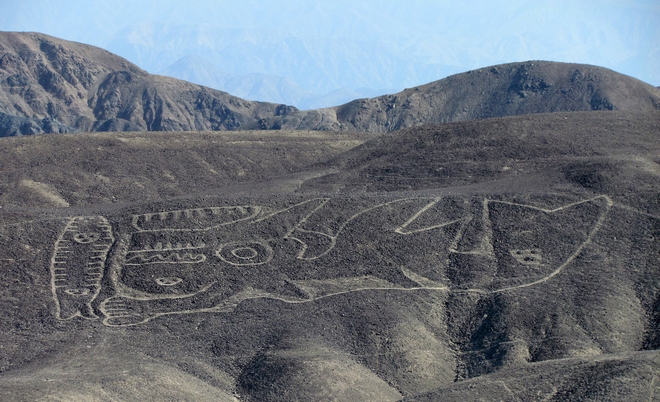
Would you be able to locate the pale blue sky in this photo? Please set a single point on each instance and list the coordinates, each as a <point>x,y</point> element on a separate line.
<point>370,44</point>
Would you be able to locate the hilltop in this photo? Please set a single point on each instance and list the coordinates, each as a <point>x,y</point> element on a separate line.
<point>496,91</point>
<point>49,85</point>
<point>52,85</point>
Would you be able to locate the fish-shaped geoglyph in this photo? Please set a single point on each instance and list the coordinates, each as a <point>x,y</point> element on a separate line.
<point>77,265</point>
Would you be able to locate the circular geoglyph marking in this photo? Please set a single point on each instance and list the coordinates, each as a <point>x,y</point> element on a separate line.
<point>245,253</point>
<point>86,237</point>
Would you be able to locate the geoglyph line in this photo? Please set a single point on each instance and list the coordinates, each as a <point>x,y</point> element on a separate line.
<point>399,230</point>
<point>247,212</point>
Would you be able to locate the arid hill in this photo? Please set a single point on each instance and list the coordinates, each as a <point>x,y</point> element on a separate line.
<point>49,85</point>
<point>101,168</point>
<point>52,85</point>
<point>509,259</point>
<point>497,91</point>
<point>615,152</point>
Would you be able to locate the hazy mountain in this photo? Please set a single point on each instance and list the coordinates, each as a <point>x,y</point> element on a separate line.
<point>502,259</point>
<point>62,86</point>
<point>200,71</point>
<point>316,64</point>
<point>343,95</point>
<point>503,90</point>
<point>343,44</point>
<point>260,86</point>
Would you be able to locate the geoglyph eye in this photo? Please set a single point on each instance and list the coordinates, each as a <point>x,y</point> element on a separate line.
<point>168,281</point>
<point>77,292</point>
<point>86,237</point>
<point>245,253</point>
<point>532,256</point>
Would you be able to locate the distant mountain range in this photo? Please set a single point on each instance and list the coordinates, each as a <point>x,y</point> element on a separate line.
<point>275,88</point>
<point>320,64</point>
<point>48,85</point>
<point>326,46</point>
<point>355,46</point>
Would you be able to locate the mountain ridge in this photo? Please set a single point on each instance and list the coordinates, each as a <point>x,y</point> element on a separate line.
<point>51,85</point>
<point>495,91</point>
<point>86,88</point>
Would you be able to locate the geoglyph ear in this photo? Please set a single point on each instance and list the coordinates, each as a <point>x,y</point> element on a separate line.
<point>280,224</point>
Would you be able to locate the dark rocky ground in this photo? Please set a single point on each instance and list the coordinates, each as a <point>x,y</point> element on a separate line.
<point>505,259</point>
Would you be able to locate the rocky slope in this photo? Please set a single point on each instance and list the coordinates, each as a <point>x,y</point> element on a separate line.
<point>596,150</point>
<point>503,259</point>
<point>140,166</point>
<point>51,85</point>
<point>503,90</point>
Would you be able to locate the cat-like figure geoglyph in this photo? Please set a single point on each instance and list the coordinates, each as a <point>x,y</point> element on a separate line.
<point>211,259</point>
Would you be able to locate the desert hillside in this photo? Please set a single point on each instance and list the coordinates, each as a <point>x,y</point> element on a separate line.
<point>511,258</point>
<point>496,91</point>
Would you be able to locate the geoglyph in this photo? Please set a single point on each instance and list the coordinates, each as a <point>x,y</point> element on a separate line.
<point>210,259</point>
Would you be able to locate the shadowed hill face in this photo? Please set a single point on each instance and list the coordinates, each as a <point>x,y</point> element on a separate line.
<point>503,90</point>
<point>52,85</point>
